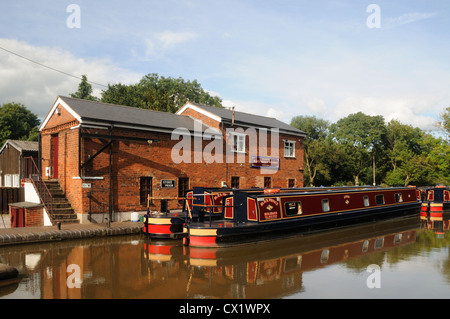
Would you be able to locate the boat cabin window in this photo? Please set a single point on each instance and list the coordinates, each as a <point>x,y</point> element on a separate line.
<point>325,205</point>
<point>365,246</point>
<point>398,198</point>
<point>325,256</point>
<point>366,201</point>
<point>379,243</point>
<point>379,199</point>
<point>293,208</point>
<point>430,195</point>
<point>398,238</point>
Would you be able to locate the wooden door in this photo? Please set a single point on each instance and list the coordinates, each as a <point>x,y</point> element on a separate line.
<point>55,147</point>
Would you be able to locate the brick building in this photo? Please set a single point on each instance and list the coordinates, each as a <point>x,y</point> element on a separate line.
<point>108,158</point>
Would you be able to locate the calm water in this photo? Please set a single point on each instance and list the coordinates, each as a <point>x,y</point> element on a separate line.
<point>407,258</point>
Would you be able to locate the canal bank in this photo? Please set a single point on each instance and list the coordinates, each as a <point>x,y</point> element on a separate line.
<point>27,235</point>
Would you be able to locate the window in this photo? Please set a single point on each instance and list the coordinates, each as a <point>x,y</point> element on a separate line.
<point>325,205</point>
<point>379,243</point>
<point>15,180</point>
<point>365,246</point>
<point>234,181</point>
<point>267,182</point>
<point>398,238</point>
<point>8,180</point>
<point>293,208</point>
<point>379,199</point>
<point>183,186</point>
<point>238,142</point>
<point>145,189</point>
<point>398,198</point>
<point>366,201</point>
<point>291,183</point>
<point>289,149</point>
<point>325,256</point>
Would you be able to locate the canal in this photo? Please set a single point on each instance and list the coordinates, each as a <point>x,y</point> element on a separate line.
<point>404,258</point>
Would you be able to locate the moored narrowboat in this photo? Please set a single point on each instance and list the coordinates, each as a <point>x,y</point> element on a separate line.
<point>437,200</point>
<point>253,216</point>
<point>198,204</point>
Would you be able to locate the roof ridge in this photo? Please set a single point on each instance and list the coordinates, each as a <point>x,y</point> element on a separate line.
<point>226,108</point>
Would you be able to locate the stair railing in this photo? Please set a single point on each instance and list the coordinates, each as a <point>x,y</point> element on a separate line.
<point>31,173</point>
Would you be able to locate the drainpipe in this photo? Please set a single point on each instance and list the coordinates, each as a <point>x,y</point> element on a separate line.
<point>110,180</point>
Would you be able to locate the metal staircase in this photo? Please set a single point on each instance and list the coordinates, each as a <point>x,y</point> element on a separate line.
<point>51,195</point>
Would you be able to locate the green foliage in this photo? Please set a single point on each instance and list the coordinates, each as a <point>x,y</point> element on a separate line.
<point>363,137</point>
<point>445,121</point>
<point>18,123</point>
<point>84,90</point>
<point>159,93</point>
<point>343,153</point>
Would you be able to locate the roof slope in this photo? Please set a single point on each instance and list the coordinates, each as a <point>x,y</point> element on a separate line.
<point>247,119</point>
<point>104,113</point>
<point>22,146</point>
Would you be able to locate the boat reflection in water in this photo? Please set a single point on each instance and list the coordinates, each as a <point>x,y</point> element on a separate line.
<point>272,269</point>
<point>136,267</point>
<point>438,221</point>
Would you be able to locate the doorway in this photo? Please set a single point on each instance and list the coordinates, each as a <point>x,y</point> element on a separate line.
<point>54,155</point>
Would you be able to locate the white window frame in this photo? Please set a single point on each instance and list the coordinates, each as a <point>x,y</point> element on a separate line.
<point>289,148</point>
<point>8,180</point>
<point>239,145</point>
<point>15,180</point>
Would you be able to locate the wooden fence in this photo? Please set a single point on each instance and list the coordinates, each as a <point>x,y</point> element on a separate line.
<point>10,195</point>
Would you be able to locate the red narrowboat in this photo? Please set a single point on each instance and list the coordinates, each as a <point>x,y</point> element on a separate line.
<point>169,225</point>
<point>254,215</point>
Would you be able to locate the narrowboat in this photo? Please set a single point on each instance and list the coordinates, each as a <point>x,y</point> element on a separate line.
<point>437,200</point>
<point>199,204</point>
<point>253,216</point>
<point>169,225</point>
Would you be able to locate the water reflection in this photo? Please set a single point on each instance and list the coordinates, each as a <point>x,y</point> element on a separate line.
<point>135,267</point>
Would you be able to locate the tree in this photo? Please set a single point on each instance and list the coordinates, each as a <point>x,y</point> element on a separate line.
<point>404,153</point>
<point>363,137</point>
<point>159,93</point>
<point>313,145</point>
<point>445,121</point>
<point>84,90</point>
<point>17,122</point>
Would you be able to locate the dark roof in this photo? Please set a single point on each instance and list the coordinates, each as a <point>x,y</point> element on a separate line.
<point>22,146</point>
<point>251,120</point>
<point>97,112</point>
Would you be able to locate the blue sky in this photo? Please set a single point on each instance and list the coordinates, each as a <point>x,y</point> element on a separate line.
<point>275,58</point>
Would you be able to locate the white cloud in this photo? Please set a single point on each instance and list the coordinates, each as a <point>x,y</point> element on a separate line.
<point>37,87</point>
<point>407,110</point>
<point>161,43</point>
<point>406,18</point>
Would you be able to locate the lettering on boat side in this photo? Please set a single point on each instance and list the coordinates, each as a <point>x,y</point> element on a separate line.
<point>240,308</point>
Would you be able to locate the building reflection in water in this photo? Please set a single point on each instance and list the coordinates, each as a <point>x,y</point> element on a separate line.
<point>135,267</point>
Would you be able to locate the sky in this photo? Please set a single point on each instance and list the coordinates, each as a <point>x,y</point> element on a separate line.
<point>278,58</point>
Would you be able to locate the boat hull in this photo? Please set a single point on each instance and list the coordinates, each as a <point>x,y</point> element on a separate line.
<point>164,226</point>
<point>218,234</point>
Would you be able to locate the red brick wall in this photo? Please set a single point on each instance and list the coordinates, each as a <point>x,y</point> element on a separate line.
<point>34,217</point>
<point>134,159</point>
<point>205,119</point>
